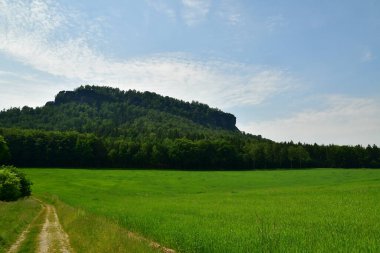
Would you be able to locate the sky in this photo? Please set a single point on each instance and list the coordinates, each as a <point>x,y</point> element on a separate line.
<point>300,70</point>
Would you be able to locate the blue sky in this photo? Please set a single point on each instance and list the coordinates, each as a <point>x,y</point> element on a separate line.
<point>296,70</point>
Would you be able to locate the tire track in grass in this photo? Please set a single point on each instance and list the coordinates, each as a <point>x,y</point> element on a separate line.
<point>16,245</point>
<point>52,237</point>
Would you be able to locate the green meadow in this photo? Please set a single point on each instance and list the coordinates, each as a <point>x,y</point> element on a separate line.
<point>14,218</point>
<point>319,210</point>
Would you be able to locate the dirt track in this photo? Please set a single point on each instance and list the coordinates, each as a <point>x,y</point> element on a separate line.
<point>52,237</point>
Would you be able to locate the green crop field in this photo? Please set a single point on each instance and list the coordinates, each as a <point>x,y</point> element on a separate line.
<point>320,210</point>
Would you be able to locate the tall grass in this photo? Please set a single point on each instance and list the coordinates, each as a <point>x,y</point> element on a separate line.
<point>91,233</point>
<point>14,218</point>
<point>262,211</point>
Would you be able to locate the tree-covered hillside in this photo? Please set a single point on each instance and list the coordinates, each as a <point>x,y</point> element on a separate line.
<point>111,112</point>
<point>106,127</point>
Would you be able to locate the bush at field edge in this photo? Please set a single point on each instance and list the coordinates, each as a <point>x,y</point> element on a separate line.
<point>13,184</point>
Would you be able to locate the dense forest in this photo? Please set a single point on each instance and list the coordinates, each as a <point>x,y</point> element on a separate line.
<point>106,127</point>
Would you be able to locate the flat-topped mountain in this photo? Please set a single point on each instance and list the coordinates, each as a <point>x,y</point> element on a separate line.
<point>110,111</point>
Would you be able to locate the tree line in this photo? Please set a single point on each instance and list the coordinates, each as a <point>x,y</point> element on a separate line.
<point>38,148</point>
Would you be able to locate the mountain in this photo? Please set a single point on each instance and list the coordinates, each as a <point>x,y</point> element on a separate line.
<point>95,126</point>
<point>110,111</point>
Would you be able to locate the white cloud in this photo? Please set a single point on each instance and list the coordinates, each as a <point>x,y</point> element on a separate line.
<point>29,38</point>
<point>344,120</point>
<point>195,11</point>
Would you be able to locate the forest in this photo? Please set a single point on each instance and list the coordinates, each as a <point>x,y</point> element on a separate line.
<point>105,127</point>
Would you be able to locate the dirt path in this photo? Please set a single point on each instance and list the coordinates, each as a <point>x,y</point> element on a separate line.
<point>52,237</point>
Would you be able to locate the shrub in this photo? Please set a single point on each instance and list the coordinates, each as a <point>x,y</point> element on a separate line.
<point>13,184</point>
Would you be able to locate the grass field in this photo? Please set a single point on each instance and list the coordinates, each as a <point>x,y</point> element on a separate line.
<point>14,218</point>
<point>320,210</point>
<point>93,233</point>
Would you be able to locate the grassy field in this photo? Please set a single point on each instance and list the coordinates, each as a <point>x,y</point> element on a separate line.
<point>93,233</point>
<point>14,218</point>
<point>320,210</point>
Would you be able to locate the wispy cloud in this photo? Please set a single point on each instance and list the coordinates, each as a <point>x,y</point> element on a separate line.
<point>29,38</point>
<point>32,89</point>
<point>273,23</point>
<point>230,12</point>
<point>195,11</point>
<point>164,8</point>
<point>367,56</point>
<point>346,120</point>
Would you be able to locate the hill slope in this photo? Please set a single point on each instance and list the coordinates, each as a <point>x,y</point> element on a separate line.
<point>108,111</point>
